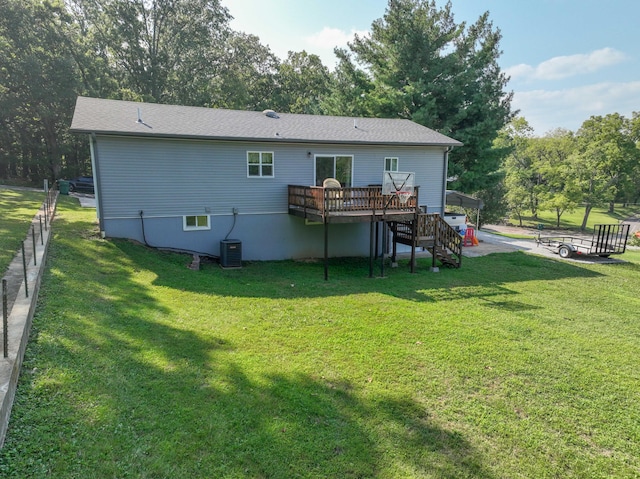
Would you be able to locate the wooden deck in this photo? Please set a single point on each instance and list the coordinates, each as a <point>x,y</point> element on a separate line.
<point>349,205</point>
<point>367,204</point>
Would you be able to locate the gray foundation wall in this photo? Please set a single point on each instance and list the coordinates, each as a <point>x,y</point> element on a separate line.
<point>263,237</point>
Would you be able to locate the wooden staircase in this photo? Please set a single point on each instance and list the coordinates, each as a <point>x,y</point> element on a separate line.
<point>432,233</point>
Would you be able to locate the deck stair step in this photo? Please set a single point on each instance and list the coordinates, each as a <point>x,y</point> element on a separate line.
<point>434,234</point>
<point>445,256</point>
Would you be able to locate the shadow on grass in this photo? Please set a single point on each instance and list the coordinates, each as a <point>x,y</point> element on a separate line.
<point>116,385</point>
<point>122,386</point>
<point>482,277</point>
<point>112,393</point>
<point>17,209</point>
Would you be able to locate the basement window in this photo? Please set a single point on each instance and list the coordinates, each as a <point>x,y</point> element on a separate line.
<point>195,222</point>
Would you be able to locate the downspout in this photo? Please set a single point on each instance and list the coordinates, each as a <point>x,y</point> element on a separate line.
<point>444,179</point>
<point>95,167</point>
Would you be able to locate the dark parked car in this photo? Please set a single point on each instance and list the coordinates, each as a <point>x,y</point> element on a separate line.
<point>82,183</point>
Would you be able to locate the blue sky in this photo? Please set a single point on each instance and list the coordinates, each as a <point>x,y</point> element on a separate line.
<point>568,59</point>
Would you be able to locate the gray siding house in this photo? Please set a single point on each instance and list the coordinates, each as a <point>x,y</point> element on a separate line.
<point>188,177</point>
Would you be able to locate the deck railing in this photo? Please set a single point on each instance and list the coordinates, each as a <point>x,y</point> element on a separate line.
<point>427,227</point>
<point>448,237</point>
<point>433,233</point>
<point>348,199</point>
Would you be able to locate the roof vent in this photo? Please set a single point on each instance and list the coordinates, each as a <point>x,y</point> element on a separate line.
<point>270,114</point>
<point>140,120</point>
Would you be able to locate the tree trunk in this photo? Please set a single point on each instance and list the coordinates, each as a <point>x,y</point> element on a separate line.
<point>587,210</point>
<point>4,167</point>
<point>51,143</point>
<point>611,206</point>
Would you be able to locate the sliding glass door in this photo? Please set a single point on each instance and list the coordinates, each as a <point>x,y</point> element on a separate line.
<point>338,167</point>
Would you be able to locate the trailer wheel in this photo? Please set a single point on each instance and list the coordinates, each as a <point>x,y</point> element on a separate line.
<point>564,251</point>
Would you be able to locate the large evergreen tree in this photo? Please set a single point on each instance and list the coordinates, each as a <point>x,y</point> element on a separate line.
<point>418,63</point>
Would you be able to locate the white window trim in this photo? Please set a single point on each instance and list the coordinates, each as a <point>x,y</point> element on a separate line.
<point>392,158</point>
<point>273,164</point>
<point>196,228</point>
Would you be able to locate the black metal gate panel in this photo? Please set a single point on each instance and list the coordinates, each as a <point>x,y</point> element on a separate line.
<point>610,239</point>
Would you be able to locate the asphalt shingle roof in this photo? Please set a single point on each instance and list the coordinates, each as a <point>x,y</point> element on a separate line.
<point>115,117</point>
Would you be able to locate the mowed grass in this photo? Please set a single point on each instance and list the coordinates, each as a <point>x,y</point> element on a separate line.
<point>513,366</point>
<point>573,219</point>
<point>17,209</point>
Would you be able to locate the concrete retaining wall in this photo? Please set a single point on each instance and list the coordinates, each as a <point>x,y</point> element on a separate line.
<point>20,317</point>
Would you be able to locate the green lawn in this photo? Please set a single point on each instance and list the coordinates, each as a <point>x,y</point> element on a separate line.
<point>17,209</point>
<point>513,366</point>
<point>573,219</point>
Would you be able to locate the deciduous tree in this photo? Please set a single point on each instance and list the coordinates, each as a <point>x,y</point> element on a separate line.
<point>520,175</point>
<point>303,82</point>
<point>157,50</point>
<point>558,189</point>
<point>38,84</point>
<point>248,80</point>
<point>606,154</point>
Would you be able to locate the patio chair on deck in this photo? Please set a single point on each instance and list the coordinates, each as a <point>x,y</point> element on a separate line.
<point>334,197</point>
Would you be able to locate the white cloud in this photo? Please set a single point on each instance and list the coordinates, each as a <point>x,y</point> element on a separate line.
<point>324,42</point>
<point>520,71</point>
<point>333,37</point>
<point>567,66</point>
<point>569,108</point>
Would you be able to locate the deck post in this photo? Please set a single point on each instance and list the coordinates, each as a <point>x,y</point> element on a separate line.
<point>326,249</point>
<point>384,245</point>
<point>395,248</point>
<point>307,193</point>
<point>371,244</point>
<point>413,244</point>
<point>414,232</point>
<point>436,242</point>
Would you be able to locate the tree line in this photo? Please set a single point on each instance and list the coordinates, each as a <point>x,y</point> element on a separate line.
<point>417,63</point>
<point>562,171</point>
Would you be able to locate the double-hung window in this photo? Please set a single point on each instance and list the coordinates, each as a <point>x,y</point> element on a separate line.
<point>391,164</point>
<point>260,164</point>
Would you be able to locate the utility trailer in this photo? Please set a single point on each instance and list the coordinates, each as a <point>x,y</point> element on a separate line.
<point>606,240</point>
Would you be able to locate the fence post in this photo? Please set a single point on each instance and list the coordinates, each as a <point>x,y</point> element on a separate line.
<point>41,236</point>
<point>33,237</point>
<point>5,319</point>
<point>24,269</point>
